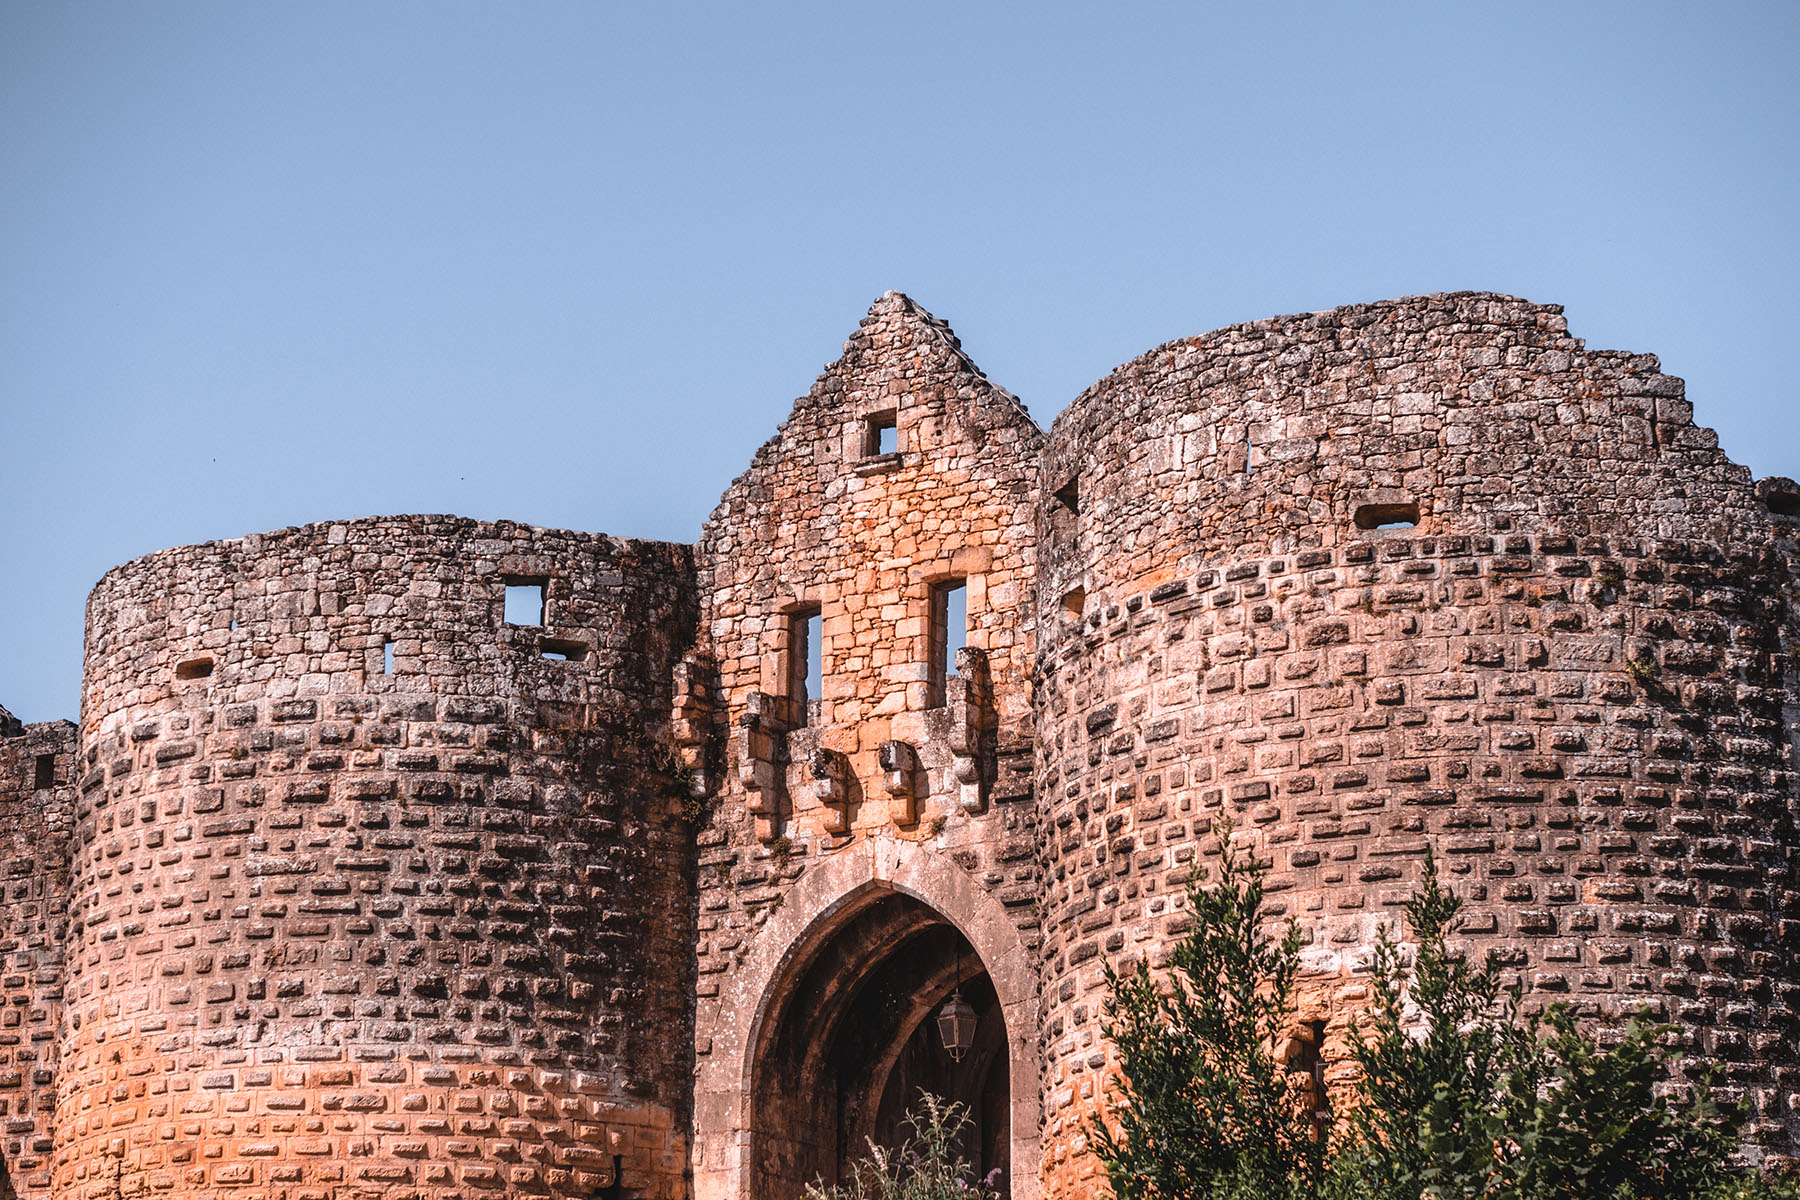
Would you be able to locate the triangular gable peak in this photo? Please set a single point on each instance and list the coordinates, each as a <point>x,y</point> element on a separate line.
<point>899,343</point>
<point>902,384</point>
<point>902,475</point>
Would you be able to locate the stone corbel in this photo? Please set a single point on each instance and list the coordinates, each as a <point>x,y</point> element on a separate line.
<point>899,775</point>
<point>690,722</point>
<point>760,750</point>
<point>830,773</point>
<point>972,725</point>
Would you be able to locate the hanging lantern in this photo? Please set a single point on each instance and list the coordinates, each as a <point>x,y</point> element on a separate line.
<point>956,1025</point>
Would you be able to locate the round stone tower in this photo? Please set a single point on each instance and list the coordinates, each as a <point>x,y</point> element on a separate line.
<point>1419,575</point>
<point>375,843</point>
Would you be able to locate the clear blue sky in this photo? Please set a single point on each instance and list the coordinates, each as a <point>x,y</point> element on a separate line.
<point>263,264</point>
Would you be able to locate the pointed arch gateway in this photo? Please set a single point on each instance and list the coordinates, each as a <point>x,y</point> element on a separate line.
<point>833,1036</point>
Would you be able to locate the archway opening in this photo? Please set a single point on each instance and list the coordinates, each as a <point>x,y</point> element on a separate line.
<point>850,1042</point>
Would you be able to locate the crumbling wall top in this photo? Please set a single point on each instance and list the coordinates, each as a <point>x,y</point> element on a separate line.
<point>1454,413</point>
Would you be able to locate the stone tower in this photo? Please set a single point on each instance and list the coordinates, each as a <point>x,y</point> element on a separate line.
<point>365,876</point>
<point>422,857</point>
<point>1426,574</point>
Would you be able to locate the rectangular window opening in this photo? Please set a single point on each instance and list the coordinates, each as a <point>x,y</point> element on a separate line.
<point>562,650</point>
<point>1387,516</point>
<point>1069,496</point>
<point>194,668</point>
<point>525,601</point>
<point>881,434</point>
<point>45,772</point>
<point>387,657</point>
<point>949,633</point>
<point>1074,602</point>
<point>805,661</point>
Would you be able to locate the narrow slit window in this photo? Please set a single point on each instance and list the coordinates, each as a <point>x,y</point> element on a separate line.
<point>45,772</point>
<point>194,668</point>
<point>881,434</point>
<point>1065,511</point>
<point>1387,516</point>
<point>949,633</point>
<point>525,601</point>
<point>815,657</point>
<point>387,657</point>
<point>805,661</point>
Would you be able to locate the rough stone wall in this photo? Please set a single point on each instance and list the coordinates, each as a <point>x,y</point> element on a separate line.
<point>346,929</point>
<point>1566,678</point>
<point>37,803</point>
<point>1781,497</point>
<point>346,889</point>
<point>823,520</point>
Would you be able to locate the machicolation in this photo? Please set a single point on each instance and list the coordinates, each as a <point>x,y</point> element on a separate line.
<point>427,857</point>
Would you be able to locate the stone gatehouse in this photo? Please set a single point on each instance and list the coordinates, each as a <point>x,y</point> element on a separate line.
<point>427,857</point>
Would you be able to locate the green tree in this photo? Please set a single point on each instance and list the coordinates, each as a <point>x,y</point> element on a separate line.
<point>1201,1107</point>
<point>1462,1098</point>
<point>1438,1077</point>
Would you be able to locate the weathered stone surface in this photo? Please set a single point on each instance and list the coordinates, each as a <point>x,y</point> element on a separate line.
<point>1566,674</point>
<point>37,805</point>
<point>366,903</point>
<point>824,522</point>
<point>347,887</point>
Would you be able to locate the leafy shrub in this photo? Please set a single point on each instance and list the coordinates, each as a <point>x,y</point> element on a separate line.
<point>1750,1188</point>
<point>927,1166</point>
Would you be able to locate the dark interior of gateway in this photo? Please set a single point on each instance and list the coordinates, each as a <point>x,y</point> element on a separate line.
<point>851,1041</point>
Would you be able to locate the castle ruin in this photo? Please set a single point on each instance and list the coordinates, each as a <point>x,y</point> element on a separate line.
<point>428,857</point>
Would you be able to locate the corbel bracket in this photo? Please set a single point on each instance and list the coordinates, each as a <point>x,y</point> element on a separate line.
<point>759,748</point>
<point>830,773</point>
<point>972,725</point>
<point>899,776</point>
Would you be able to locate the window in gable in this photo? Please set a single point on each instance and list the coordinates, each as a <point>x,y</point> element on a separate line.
<point>881,434</point>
